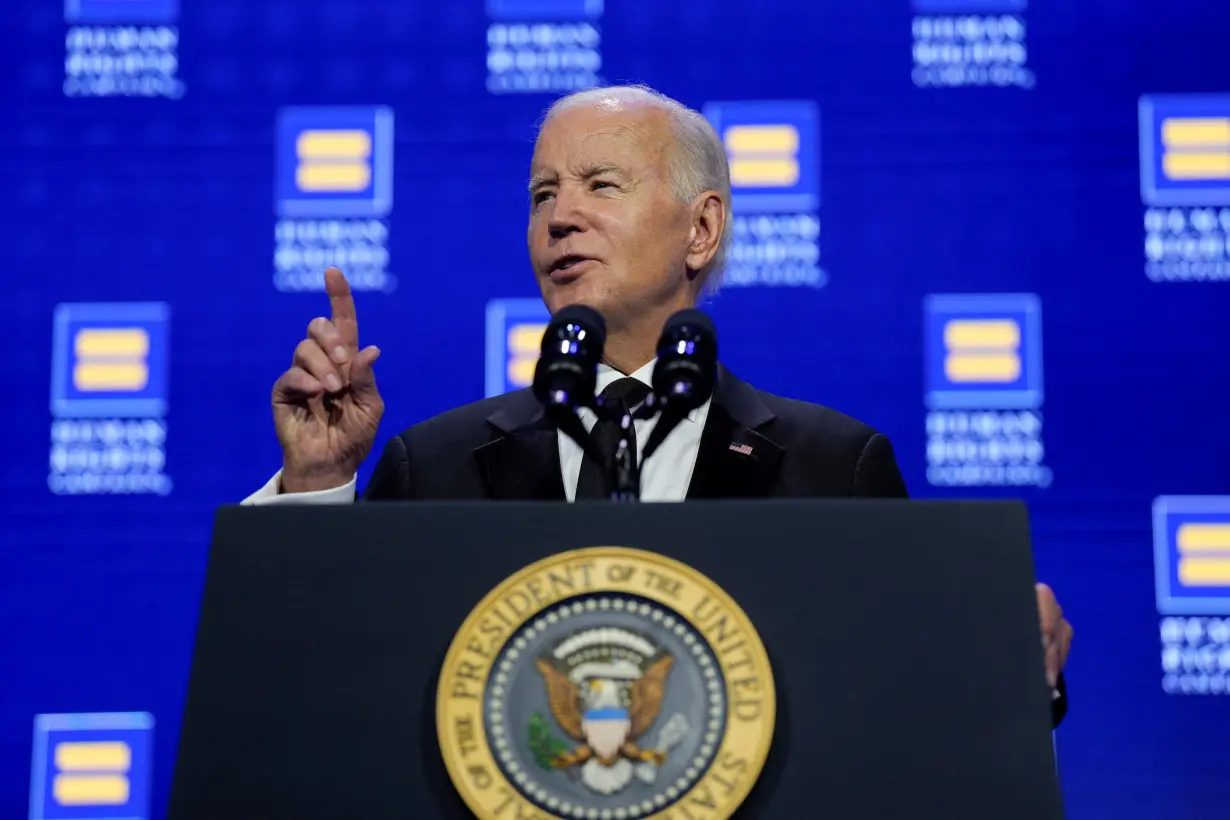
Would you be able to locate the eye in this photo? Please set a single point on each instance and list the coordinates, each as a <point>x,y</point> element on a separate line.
<point>601,183</point>
<point>541,197</point>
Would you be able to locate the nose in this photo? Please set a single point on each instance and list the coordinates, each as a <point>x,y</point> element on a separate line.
<point>566,215</point>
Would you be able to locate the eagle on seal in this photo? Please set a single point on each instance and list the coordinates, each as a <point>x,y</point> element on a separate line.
<point>593,714</point>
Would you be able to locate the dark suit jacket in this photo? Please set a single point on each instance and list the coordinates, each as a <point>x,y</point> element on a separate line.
<point>504,448</point>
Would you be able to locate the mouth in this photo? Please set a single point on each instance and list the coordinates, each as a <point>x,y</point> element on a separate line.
<point>569,267</point>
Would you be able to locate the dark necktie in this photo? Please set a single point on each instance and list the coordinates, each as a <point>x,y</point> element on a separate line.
<point>619,396</point>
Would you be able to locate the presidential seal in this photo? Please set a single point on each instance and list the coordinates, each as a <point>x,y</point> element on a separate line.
<point>605,683</point>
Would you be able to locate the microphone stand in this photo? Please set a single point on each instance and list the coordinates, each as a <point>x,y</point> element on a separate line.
<point>625,472</point>
<point>625,475</point>
<point>568,421</point>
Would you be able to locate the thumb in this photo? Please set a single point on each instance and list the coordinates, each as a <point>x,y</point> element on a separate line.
<point>362,378</point>
<point>1052,665</point>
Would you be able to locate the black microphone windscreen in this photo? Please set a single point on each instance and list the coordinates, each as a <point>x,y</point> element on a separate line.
<point>567,367</point>
<point>584,316</point>
<point>691,316</point>
<point>686,370</point>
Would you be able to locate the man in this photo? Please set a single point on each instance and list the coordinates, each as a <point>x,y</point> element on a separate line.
<point>630,215</point>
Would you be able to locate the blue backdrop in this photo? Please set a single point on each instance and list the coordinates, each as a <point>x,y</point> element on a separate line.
<point>995,230</point>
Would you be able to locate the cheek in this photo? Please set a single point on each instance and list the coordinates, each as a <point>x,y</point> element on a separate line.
<point>536,237</point>
<point>653,224</point>
<point>620,235</point>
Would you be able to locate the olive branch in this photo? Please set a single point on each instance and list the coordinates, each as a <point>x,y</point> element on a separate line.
<point>545,746</point>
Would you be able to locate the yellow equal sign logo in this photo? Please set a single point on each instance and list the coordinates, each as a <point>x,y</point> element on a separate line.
<point>92,773</point>
<point>111,359</point>
<point>1196,148</point>
<point>524,347</point>
<point>334,161</point>
<point>763,156</point>
<point>1204,554</point>
<point>982,351</point>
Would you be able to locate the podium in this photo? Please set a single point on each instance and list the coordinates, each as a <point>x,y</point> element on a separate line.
<point>697,661</point>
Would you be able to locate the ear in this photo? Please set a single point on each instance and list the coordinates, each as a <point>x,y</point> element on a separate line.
<point>708,224</point>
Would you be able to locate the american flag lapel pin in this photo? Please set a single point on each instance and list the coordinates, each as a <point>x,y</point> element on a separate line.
<point>741,449</point>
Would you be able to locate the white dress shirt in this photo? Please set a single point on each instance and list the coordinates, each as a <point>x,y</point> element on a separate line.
<point>665,477</point>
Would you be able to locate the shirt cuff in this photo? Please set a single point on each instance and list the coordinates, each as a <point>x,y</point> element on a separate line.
<point>269,494</point>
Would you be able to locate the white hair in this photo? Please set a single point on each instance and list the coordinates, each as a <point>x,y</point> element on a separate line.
<point>697,164</point>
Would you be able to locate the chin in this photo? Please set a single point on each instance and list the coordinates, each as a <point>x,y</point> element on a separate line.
<point>558,297</point>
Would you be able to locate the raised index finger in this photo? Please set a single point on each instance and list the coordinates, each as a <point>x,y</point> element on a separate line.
<point>342,304</point>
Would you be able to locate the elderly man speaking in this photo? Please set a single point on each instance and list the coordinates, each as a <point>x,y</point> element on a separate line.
<point>629,215</point>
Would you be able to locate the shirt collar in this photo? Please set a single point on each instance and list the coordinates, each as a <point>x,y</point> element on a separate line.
<point>608,375</point>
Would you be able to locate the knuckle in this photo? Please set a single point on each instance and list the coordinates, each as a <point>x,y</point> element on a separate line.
<point>307,351</point>
<point>317,325</point>
<point>292,377</point>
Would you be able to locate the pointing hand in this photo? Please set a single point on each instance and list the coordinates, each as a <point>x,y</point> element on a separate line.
<point>326,408</point>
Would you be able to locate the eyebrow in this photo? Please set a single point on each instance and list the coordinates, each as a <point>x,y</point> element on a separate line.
<point>539,180</point>
<point>591,171</point>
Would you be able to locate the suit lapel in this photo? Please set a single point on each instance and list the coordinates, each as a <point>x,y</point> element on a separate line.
<point>736,459</point>
<point>521,462</point>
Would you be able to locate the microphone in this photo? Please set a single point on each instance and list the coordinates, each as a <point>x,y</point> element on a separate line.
<point>685,373</point>
<point>566,375</point>
<point>567,371</point>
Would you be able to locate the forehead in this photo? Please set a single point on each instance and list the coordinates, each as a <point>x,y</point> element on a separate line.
<point>632,137</point>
